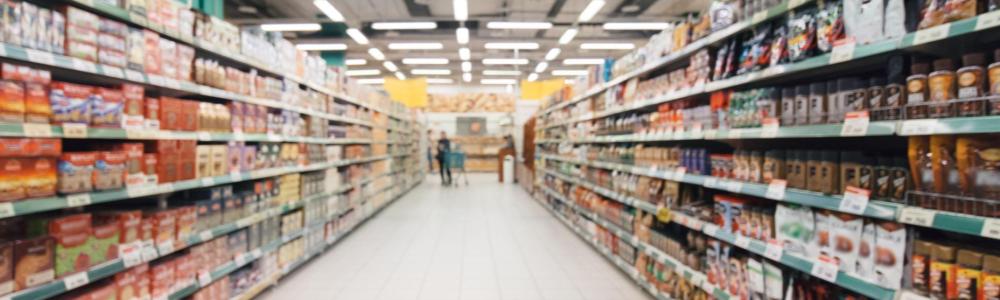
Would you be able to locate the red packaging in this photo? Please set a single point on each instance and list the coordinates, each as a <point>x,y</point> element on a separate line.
<point>164,225</point>
<point>126,285</point>
<point>104,242</point>
<point>146,229</point>
<point>40,178</point>
<point>11,101</point>
<point>133,110</point>
<point>189,115</point>
<point>152,63</point>
<point>76,171</point>
<point>186,218</point>
<point>11,174</point>
<point>128,226</point>
<point>37,108</point>
<point>109,170</point>
<point>170,113</point>
<point>149,167</point>
<point>161,278</point>
<point>151,113</point>
<point>107,291</point>
<point>142,281</point>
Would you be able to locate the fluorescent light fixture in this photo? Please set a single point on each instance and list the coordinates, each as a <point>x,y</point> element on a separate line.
<point>425,61</point>
<point>321,47</point>
<point>376,54</point>
<point>416,46</point>
<point>552,54</point>
<point>518,25</point>
<point>363,72</point>
<point>591,10</point>
<point>390,66</point>
<point>533,77</point>
<point>440,80</point>
<point>370,81</point>
<point>400,76</point>
<point>462,35</point>
<point>291,27</point>
<point>328,10</point>
<point>568,36</point>
<point>636,26</point>
<point>607,46</point>
<point>464,53</point>
<point>511,46</point>
<point>541,67</point>
<point>403,25</point>
<point>461,9</point>
<point>466,77</point>
<point>357,36</point>
<point>497,81</point>
<point>466,66</point>
<point>505,61</point>
<point>569,81</point>
<point>430,72</point>
<point>356,62</point>
<point>501,73</point>
<point>583,61</point>
<point>569,72</point>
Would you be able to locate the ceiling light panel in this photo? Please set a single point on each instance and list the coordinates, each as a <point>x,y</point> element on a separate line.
<point>583,61</point>
<point>376,53</point>
<point>403,25</point>
<point>400,76</point>
<point>357,36</point>
<point>461,8</point>
<point>501,73</point>
<point>356,62</point>
<point>552,54</point>
<point>497,81</point>
<point>636,26</point>
<point>568,36</point>
<point>466,77</point>
<point>439,81</point>
<point>569,72</point>
<point>462,35</point>
<point>518,25</point>
<point>511,46</point>
<point>505,61</point>
<point>591,10</point>
<point>541,67</point>
<point>416,46</point>
<point>390,66</point>
<point>425,61</point>
<point>607,46</point>
<point>291,27</point>
<point>321,47</point>
<point>363,72</point>
<point>464,54</point>
<point>466,66</point>
<point>370,81</point>
<point>328,10</point>
<point>533,77</point>
<point>430,72</point>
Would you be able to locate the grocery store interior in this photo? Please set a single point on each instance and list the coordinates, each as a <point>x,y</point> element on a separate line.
<point>500,149</point>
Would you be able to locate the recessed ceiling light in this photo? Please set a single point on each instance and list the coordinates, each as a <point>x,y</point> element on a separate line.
<point>533,77</point>
<point>466,77</point>
<point>376,53</point>
<point>541,67</point>
<point>501,72</point>
<point>363,72</point>
<point>390,66</point>
<point>291,27</point>
<point>583,61</point>
<point>464,53</point>
<point>636,26</point>
<point>511,46</point>
<point>370,81</point>
<point>425,61</point>
<point>607,46</point>
<point>466,66</point>
<point>328,10</point>
<point>552,54</point>
<point>357,36</point>
<point>518,25</point>
<point>403,25</point>
<point>321,47</point>
<point>461,10</point>
<point>430,72</point>
<point>439,81</point>
<point>591,10</point>
<point>570,72</point>
<point>356,62</point>
<point>505,61</point>
<point>497,81</point>
<point>415,46</point>
<point>568,36</point>
<point>400,76</point>
<point>462,35</point>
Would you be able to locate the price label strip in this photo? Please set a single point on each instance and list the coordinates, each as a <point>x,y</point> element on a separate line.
<point>855,200</point>
<point>991,228</point>
<point>776,189</point>
<point>825,268</point>
<point>918,127</point>
<point>78,200</point>
<point>843,50</point>
<point>917,216</point>
<point>855,124</point>
<point>76,280</point>
<point>7,210</point>
<point>774,250</point>
<point>74,130</point>
<point>931,34</point>
<point>769,128</point>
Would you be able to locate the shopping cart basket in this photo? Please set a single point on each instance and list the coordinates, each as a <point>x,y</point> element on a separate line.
<point>456,162</point>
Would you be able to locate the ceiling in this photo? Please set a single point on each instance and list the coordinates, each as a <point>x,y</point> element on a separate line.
<point>562,13</point>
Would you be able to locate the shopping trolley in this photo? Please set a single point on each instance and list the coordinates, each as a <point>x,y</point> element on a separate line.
<point>456,162</point>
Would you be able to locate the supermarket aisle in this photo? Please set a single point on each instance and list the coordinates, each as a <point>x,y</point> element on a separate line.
<point>484,241</point>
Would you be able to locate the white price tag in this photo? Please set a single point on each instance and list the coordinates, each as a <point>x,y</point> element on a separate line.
<point>155,80</point>
<point>84,66</point>
<point>239,136</point>
<point>855,200</point>
<point>205,235</point>
<point>204,279</point>
<point>931,34</point>
<point>742,242</point>
<point>40,57</point>
<point>241,259</point>
<point>696,132</point>
<point>149,253</point>
<point>776,189</point>
<point>735,134</point>
<point>917,127</point>
<point>826,269</point>
<point>855,124</point>
<point>6,209</point>
<point>758,17</point>
<point>235,176</point>
<point>711,229</point>
<point>774,251</point>
<point>917,216</point>
<point>76,280</point>
<point>74,130</point>
<point>134,76</point>
<point>36,130</point>
<point>679,173</point>
<point>987,20</point>
<point>991,228</point>
<point>208,181</point>
<point>131,254</point>
<point>256,253</point>
<point>115,72</point>
<point>734,186</point>
<point>204,136</point>
<point>908,295</point>
<point>78,200</point>
<point>843,50</point>
<point>769,128</point>
<point>165,247</point>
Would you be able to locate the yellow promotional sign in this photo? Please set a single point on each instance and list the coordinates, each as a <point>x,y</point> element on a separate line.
<point>538,90</point>
<point>410,92</point>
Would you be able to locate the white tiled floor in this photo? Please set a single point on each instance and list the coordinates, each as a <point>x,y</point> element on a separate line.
<point>482,241</point>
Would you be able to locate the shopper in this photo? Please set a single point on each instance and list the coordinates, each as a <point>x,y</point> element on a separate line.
<point>430,151</point>
<point>443,147</point>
